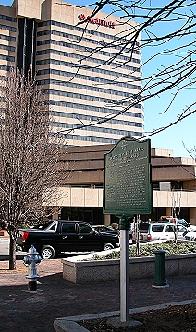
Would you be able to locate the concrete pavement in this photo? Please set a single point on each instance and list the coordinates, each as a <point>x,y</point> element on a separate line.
<point>22,310</point>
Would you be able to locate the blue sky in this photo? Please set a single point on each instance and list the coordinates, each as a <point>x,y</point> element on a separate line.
<point>174,137</point>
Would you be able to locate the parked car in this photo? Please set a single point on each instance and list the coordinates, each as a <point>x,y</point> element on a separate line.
<point>62,236</point>
<point>183,222</point>
<point>105,229</point>
<point>174,221</point>
<point>191,236</point>
<point>192,228</point>
<point>161,231</point>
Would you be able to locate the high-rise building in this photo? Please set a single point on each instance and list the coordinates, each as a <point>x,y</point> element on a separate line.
<point>70,53</point>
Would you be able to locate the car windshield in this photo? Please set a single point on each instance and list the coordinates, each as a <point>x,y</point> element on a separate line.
<point>106,229</point>
<point>50,226</point>
<point>44,225</point>
<point>85,228</point>
<point>181,228</point>
<point>183,222</point>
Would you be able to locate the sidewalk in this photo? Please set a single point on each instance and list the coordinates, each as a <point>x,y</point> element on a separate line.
<point>22,310</point>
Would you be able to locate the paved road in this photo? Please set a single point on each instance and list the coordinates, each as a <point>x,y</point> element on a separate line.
<point>4,249</point>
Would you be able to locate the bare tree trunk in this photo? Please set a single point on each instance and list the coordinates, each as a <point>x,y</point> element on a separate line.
<point>29,156</point>
<point>12,253</point>
<point>137,236</point>
<point>176,235</point>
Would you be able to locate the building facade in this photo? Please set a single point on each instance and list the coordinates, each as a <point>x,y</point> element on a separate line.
<point>70,53</point>
<point>80,194</point>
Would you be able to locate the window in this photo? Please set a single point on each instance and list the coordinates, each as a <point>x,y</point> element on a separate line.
<point>7,18</point>
<point>181,228</point>
<point>88,138</point>
<point>89,59</point>
<point>7,58</point>
<point>93,118</point>
<point>87,67</point>
<point>170,228</point>
<point>158,228</point>
<point>90,78</point>
<point>68,228</point>
<point>94,128</point>
<point>94,41</point>
<point>87,87</point>
<point>85,228</point>
<point>156,185</point>
<point>82,96</point>
<point>92,32</point>
<point>7,48</point>
<point>4,37</point>
<point>144,227</point>
<point>6,68</point>
<point>5,27</point>
<point>51,227</point>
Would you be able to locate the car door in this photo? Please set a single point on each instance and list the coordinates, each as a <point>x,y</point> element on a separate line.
<point>170,232</point>
<point>88,238</point>
<point>68,240</point>
<point>156,231</point>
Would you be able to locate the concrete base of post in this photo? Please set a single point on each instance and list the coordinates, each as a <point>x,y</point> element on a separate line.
<point>114,322</point>
<point>33,285</point>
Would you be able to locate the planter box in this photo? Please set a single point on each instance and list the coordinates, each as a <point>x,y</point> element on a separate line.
<point>78,271</point>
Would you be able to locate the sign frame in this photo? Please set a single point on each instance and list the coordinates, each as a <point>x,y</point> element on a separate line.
<point>142,150</point>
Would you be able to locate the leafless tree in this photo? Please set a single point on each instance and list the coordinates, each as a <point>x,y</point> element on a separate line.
<point>191,151</point>
<point>28,156</point>
<point>166,34</point>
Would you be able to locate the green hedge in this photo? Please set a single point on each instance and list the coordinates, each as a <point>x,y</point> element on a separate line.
<point>148,249</point>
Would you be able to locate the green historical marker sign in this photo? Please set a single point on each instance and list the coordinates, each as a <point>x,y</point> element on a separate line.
<point>128,184</point>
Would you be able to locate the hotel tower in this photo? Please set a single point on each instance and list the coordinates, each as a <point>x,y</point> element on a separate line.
<point>70,54</point>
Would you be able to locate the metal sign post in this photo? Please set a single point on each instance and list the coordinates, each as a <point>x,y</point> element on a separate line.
<point>127,192</point>
<point>124,269</point>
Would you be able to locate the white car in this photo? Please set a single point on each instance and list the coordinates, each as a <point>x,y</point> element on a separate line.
<point>192,228</point>
<point>191,236</point>
<point>161,231</point>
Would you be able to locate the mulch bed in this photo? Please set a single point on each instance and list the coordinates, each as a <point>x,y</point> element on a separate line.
<point>172,319</point>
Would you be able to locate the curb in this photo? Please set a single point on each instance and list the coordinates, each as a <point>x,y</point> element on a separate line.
<point>69,323</point>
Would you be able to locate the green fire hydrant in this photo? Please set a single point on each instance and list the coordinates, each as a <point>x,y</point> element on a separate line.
<point>159,273</point>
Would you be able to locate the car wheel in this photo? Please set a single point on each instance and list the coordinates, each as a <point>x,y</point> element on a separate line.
<point>47,252</point>
<point>108,246</point>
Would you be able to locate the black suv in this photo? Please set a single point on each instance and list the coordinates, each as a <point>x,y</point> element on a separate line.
<point>62,236</point>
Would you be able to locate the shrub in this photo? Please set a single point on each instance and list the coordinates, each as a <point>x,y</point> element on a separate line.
<point>148,249</point>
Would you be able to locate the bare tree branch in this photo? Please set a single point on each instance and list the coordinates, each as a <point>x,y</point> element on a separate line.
<point>29,155</point>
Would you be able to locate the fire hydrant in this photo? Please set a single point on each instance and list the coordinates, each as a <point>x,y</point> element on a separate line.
<point>31,259</point>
